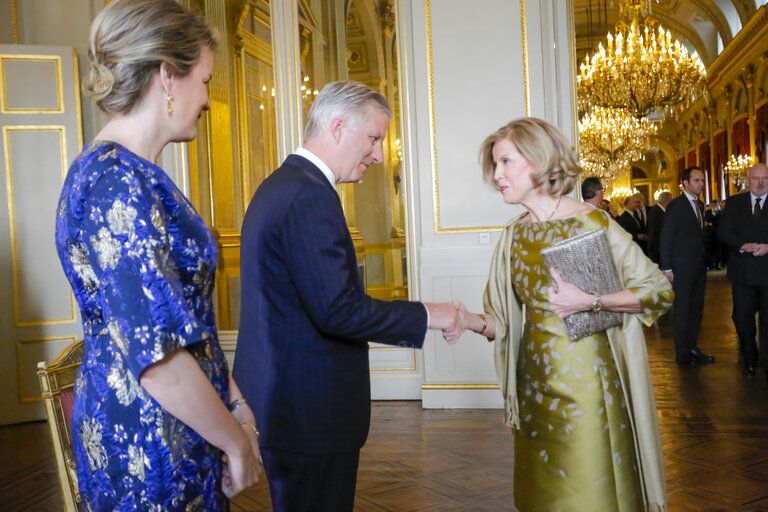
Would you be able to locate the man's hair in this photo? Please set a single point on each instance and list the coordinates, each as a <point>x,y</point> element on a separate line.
<point>664,197</point>
<point>687,173</point>
<point>627,200</point>
<point>346,99</point>
<point>590,187</point>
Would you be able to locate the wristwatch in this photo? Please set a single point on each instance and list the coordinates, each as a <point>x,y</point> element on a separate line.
<point>597,305</point>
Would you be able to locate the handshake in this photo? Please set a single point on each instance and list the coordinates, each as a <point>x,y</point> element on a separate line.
<point>450,317</point>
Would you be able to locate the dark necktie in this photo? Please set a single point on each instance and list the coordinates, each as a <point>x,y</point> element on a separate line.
<point>756,211</point>
<point>638,219</point>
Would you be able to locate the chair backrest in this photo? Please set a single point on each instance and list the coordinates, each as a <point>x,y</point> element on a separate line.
<point>57,384</point>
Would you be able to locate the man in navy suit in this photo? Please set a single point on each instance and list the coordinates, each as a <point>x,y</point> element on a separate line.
<point>632,220</point>
<point>655,221</point>
<point>682,258</point>
<point>744,228</point>
<point>302,351</point>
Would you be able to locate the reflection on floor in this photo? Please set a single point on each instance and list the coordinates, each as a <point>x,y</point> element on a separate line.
<point>714,426</point>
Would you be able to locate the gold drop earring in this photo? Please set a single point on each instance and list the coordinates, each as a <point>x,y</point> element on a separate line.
<point>169,97</point>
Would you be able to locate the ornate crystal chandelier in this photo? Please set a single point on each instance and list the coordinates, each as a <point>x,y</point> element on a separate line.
<point>737,167</point>
<point>642,69</point>
<point>609,139</point>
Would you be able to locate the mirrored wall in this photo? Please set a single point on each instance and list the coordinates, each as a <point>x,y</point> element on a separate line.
<point>337,40</point>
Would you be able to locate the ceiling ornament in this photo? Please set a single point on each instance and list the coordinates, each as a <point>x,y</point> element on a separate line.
<point>642,68</point>
<point>609,139</point>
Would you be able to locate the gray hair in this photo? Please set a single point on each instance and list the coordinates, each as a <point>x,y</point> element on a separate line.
<point>129,41</point>
<point>345,99</point>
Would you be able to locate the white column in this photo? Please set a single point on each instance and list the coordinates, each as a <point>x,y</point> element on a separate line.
<point>285,56</point>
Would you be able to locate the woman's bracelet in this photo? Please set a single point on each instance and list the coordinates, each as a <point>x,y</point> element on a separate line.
<point>485,323</point>
<point>234,404</point>
<point>252,425</point>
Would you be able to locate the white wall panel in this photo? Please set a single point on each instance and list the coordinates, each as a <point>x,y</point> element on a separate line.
<point>478,72</point>
<point>464,75</point>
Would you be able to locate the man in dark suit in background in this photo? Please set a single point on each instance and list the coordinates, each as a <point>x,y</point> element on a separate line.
<point>655,221</point>
<point>744,228</point>
<point>302,351</point>
<point>632,222</point>
<point>592,191</point>
<point>683,261</point>
<point>714,246</point>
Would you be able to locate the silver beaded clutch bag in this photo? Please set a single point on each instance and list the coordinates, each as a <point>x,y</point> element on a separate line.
<point>585,261</point>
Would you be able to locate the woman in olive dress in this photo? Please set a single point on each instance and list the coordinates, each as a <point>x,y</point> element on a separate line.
<point>587,434</point>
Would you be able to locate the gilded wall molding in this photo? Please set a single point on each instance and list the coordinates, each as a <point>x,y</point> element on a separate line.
<point>459,386</point>
<point>745,46</point>
<point>56,60</point>
<point>15,261</point>
<point>15,21</point>
<point>439,228</point>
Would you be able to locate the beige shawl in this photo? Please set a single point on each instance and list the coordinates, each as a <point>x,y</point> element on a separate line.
<point>627,343</point>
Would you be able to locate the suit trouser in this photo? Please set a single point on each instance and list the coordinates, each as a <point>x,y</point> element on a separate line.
<point>311,483</point>
<point>688,311</point>
<point>748,301</point>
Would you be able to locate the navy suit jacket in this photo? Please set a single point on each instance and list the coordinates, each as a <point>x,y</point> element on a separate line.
<point>738,226</point>
<point>655,221</point>
<point>681,246</point>
<point>302,353</point>
<point>630,225</point>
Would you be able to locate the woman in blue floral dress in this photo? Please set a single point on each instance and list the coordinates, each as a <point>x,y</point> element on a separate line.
<point>151,425</point>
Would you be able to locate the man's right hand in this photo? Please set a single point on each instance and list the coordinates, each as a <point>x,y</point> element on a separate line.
<point>448,317</point>
<point>669,275</point>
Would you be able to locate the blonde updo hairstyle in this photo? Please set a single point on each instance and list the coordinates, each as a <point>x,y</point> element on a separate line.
<point>556,166</point>
<point>129,41</point>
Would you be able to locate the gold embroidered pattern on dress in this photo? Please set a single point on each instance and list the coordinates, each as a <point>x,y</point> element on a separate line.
<point>107,248</point>
<point>137,461</point>
<point>117,336</point>
<point>83,267</point>
<point>121,218</point>
<point>125,385</point>
<point>90,433</point>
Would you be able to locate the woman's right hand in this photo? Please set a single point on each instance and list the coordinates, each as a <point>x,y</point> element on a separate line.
<point>241,467</point>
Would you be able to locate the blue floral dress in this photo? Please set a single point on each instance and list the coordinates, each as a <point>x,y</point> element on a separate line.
<point>141,263</point>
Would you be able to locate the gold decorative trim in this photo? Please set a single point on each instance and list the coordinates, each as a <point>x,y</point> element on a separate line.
<point>5,109</point>
<point>297,68</point>
<point>20,371</point>
<point>15,22</point>
<point>78,106</point>
<point>228,239</point>
<point>18,322</point>
<point>459,386</point>
<point>409,369</point>
<point>433,124</point>
<point>745,45</point>
<point>574,85</point>
<point>524,35</point>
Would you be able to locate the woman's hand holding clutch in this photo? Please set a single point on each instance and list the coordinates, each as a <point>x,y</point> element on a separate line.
<point>566,298</point>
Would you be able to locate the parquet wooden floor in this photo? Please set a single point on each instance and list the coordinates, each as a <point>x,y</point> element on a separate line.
<point>714,427</point>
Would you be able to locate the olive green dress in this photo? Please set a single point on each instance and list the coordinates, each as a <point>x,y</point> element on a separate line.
<point>574,450</point>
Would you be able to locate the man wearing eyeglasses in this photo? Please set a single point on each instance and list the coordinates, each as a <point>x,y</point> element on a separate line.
<point>744,228</point>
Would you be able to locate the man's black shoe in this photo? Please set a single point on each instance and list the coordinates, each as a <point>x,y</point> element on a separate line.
<point>749,372</point>
<point>701,357</point>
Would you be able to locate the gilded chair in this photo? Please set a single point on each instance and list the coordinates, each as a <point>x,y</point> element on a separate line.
<point>57,383</point>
